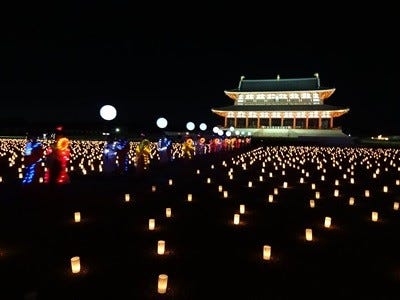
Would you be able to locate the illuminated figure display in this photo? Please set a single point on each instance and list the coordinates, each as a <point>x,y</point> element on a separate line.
<point>33,156</point>
<point>188,148</point>
<point>122,146</point>
<point>164,149</point>
<point>110,157</point>
<point>201,146</point>
<point>143,155</point>
<point>57,159</point>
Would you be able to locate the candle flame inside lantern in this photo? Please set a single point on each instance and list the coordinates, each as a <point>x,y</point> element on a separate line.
<point>236,219</point>
<point>77,217</point>
<point>309,236</point>
<point>160,247</point>
<point>266,252</point>
<point>374,216</point>
<point>168,212</point>
<point>162,283</point>
<point>152,224</point>
<point>75,264</point>
<point>327,222</point>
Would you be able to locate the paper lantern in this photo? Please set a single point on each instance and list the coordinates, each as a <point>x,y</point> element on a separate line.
<point>374,216</point>
<point>312,203</point>
<point>309,236</point>
<point>170,182</point>
<point>301,180</point>
<point>250,184</point>
<point>270,198</point>
<point>336,193</point>
<point>162,283</point>
<point>168,212</point>
<point>127,197</point>
<point>75,264</point>
<point>77,217</point>
<point>366,193</point>
<point>327,222</point>
<point>225,194</point>
<point>351,201</point>
<point>220,188</point>
<point>236,219</point>
<point>266,252</point>
<point>285,185</point>
<point>208,180</point>
<point>313,186</point>
<point>385,189</point>
<point>153,188</point>
<point>242,208</point>
<point>260,178</point>
<point>396,205</point>
<point>189,197</point>
<point>275,191</point>
<point>160,247</point>
<point>317,195</point>
<point>152,224</point>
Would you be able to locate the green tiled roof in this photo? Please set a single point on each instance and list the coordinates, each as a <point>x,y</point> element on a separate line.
<point>278,85</point>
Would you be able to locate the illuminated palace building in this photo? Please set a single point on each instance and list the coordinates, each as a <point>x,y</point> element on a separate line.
<point>281,107</point>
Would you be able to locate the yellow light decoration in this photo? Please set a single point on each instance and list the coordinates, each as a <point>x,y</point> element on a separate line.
<point>75,264</point>
<point>162,283</point>
<point>301,180</point>
<point>336,182</point>
<point>374,216</point>
<point>261,179</point>
<point>285,185</point>
<point>160,247</point>
<point>170,182</point>
<point>396,205</point>
<point>275,191</point>
<point>312,203</point>
<point>152,224</point>
<point>309,235</point>
<point>153,188</point>
<point>220,188</point>
<point>77,217</point>
<point>127,197</point>
<point>351,201</point>
<point>336,193</point>
<point>270,198</point>
<point>168,212</point>
<point>208,180</point>
<point>351,180</point>
<point>322,178</point>
<point>40,180</point>
<point>313,186</point>
<point>397,182</point>
<point>385,189</point>
<point>327,222</point>
<point>225,194</point>
<point>236,219</point>
<point>242,208</point>
<point>317,195</point>
<point>367,193</point>
<point>198,171</point>
<point>250,184</point>
<point>189,197</point>
<point>266,252</point>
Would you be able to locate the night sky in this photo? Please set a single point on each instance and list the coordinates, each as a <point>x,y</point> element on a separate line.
<point>60,63</point>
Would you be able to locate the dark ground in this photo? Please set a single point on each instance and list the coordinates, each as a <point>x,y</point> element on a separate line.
<point>207,256</point>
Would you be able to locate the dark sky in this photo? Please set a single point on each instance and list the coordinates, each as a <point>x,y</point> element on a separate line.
<point>59,63</point>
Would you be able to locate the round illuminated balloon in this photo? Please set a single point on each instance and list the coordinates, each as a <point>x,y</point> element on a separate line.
<point>190,125</point>
<point>162,122</point>
<point>108,112</point>
<point>203,126</point>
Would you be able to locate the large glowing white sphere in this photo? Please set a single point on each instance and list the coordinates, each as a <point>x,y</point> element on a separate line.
<point>162,122</point>
<point>215,129</point>
<point>228,133</point>
<point>220,132</point>
<point>203,126</point>
<point>108,112</point>
<point>190,125</point>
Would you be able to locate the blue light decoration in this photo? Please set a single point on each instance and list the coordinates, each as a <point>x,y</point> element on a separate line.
<point>33,155</point>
